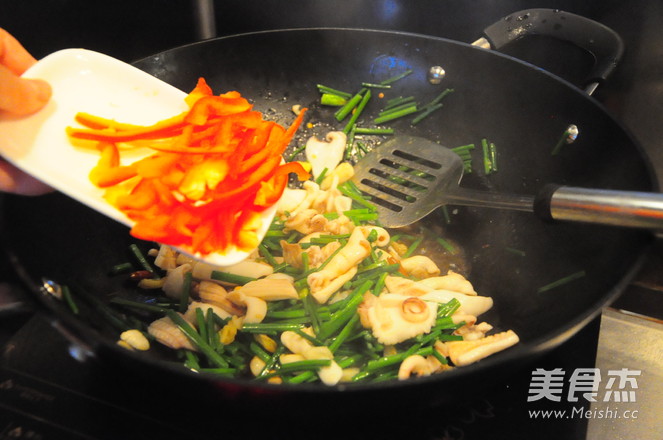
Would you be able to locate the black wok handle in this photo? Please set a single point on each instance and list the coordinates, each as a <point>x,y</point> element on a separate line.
<point>600,206</point>
<point>599,40</point>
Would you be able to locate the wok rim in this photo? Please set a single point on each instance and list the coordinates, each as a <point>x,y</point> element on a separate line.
<point>522,351</point>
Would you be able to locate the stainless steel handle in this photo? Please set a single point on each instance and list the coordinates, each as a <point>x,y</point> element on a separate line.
<point>609,207</point>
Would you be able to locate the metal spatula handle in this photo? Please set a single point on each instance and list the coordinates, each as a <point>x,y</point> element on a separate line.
<point>485,199</point>
<point>600,206</point>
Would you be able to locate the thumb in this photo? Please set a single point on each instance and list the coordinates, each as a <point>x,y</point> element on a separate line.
<point>21,96</point>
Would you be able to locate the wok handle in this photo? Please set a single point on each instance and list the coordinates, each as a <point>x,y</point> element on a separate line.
<point>599,40</point>
<point>600,206</point>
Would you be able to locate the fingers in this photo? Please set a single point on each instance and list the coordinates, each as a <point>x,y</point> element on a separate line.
<point>21,96</point>
<point>16,181</point>
<point>13,55</point>
<point>17,95</point>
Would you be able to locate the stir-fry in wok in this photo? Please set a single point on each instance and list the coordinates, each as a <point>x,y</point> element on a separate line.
<point>328,296</point>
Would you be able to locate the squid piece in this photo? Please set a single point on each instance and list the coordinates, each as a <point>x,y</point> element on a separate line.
<point>190,314</point>
<point>420,266</point>
<point>451,281</point>
<point>169,334</point>
<point>331,200</point>
<point>302,348</point>
<point>325,154</point>
<point>469,305</point>
<point>306,221</point>
<point>216,295</point>
<point>256,308</point>
<point>323,294</point>
<point>246,268</point>
<point>270,288</point>
<point>472,331</point>
<point>404,286</point>
<point>173,285</point>
<point>292,253</point>
<point>356,249</point>
<point>290,200</point>
<point>383,236</point>
<point>341,174</point>
<point>395,318</point>
<point>166,258</point>
<point>420,366</point>
<point>464,353</point>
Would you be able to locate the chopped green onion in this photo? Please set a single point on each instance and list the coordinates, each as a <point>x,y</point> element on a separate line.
<point>562,281</point>
<point>66,294</point>
<point>295,153</point>
<point>140,257</point>
<point>322,175</point>
<point>395,78</point>
<point>267,255</point>
<point>231,278</point>
<point>309,364</point>
<point>487,163</point>
<point>269,327</point>
<point>332,100</point>
<point>186,292</point>
<point>121,268</point>
<point>340,318</point>
<point>375,131</point>
<point>195,337</point>
<point>396,114</point>
<point>344,333</point>
<point>138,305</point>
<point>395,102</point>
<point>330,91</point>
<point>425,113</point>
<point>446,245</point>
<point>349,189</point>
<point>360,108</point>
<point>447,309</point>
<point>344,111</point>
<point>438,98</point>
<point>376,86</point>
<point>413,247</point>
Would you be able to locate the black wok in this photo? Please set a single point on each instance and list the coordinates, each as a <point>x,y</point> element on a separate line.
<point>519,107</point>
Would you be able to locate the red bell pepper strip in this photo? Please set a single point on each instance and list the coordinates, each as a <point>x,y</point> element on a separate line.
<point>214,169</point>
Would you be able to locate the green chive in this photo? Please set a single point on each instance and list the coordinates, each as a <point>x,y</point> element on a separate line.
<point>375,131</point>
<point>186,292</point>
<point>142,260</point>
<point>295,153</point>
<point>195,337</point>
<point>395,78</point>
<point>230,278</point>
<point>446,245</point>
<point>562,281</point>
<point>332,100</point>
<point>331,91</point>
<point>357,112</point>
<point>121,268</point>
<point>66,294</point>
<point>396,114</point>
<point>424,114</point>
<point>344,111</point>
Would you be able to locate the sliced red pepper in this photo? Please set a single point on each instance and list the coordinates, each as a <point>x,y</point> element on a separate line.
<point>215,168</point>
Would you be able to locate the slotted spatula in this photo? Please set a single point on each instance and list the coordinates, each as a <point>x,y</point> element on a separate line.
<point>408,177</point>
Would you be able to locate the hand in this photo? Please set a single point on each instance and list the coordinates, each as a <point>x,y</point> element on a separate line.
<point>19,97</point>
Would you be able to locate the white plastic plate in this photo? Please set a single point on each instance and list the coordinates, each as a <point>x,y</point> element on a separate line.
<point>88,81</point>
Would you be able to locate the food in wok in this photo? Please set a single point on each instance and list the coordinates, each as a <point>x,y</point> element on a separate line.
<point>329,295</point>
